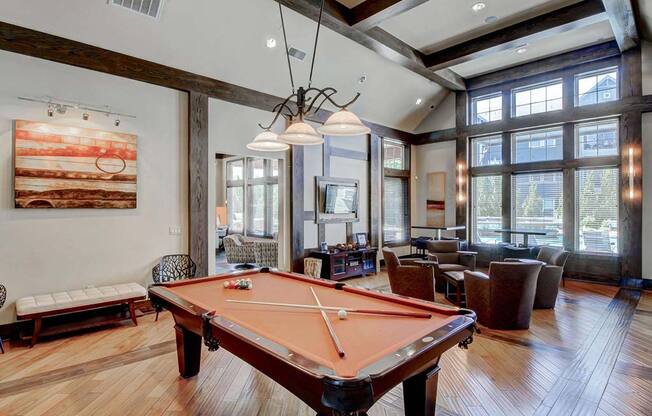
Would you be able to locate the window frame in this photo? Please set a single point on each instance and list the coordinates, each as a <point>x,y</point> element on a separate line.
<point>489,96</point>
<point>403,175</point>
<point>514,148</point>
<point>531,87</point>
<point>474,154</point>
<point>596,73</point>
<point>576,137</point>
<point>473,207</point>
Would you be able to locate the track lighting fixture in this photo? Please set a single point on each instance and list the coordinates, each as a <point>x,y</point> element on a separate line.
<point>116,122</point>
<point>50,111</point>
<point>85,116</point>
<point>58,106</point>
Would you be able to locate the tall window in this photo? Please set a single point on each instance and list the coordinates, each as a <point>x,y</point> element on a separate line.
<point>596,87</point>
<point>538,98</point>
<point>487,214</point>
<point>261,200</point>
<point>487,151</point>
<point>538,204</point>
<point>396,195</point>
<point>597,210</point>
<point>537,145</point>
<point>487,108</point>
<point>395,154</point>
<point>235,195</point>
<point>596,138</point>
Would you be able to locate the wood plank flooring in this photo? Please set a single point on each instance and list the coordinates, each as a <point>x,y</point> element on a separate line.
<point>592,355</point>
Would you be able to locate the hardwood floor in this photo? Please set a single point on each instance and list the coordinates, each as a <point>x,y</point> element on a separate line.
<point>592,355</point>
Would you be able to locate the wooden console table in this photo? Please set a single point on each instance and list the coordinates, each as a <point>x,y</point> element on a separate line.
<point>344,264</point>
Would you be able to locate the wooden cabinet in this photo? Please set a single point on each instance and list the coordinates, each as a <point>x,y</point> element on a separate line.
<point>345,264</point>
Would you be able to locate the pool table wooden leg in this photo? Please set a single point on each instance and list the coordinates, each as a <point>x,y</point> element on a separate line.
<point>188,351</point>
<point>420,393</point>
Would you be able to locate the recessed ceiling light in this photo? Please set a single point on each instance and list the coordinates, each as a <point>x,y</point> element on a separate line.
<point>419,101</point>
<point>271,43</point>
<point>521,50</point>
<point>490,19</point>
<point>478,6</point>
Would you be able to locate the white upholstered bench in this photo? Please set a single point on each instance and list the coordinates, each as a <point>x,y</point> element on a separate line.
<point>38,307</point>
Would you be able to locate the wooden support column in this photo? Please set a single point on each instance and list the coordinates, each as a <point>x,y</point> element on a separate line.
<point>568,209</point>
<point>462,184</point>
<point>507,186</point>
<point>631,201</point>
<point>297,214</point>
<point>198,210</point>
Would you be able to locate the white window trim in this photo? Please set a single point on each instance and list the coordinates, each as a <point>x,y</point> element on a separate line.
<point>597,72</point>
<point>485,97</point>
<point>532,87</point>
<point>545,130</point>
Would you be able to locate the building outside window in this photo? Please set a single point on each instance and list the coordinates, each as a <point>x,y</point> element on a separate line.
<point>596,138</point>
<point>538,204</point>
<point>537,145</point>
<point>396,192</point>
<point>235,195</point>
<point>487,151</point>
<point>540,98</point>
<point>596,87</point>
<point>487,108</point>
<point>487,206</point>
<point>395,154</point>
<point>596,207</point>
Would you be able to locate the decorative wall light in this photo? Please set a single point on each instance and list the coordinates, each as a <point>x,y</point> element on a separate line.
<point>460,182</point>
<point>59,106</point>
<point>308,102</point>
<point>631,172</point>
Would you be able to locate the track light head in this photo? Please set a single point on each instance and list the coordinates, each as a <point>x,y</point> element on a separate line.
<point>50,111</point>
<point>116,122</point>
<point>85,116</point>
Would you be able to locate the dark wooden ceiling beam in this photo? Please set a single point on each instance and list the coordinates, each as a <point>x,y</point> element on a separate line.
<point>558,21</point>
<point>336,17</point>
<point>371,13</point>
<point>622,18</point>
<point>42,45</point>
<point>547,65</point>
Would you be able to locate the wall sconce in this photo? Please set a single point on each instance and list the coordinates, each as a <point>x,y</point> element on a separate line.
<point>631,171</point>
<point>460,183</point>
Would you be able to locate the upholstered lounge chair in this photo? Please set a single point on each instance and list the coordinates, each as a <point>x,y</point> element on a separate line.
<point>239,250</point>
<point>550,276</point>
<point>409,279</point>
<point>266,253</point>
<point>504,298</point>
<point>449,258</point>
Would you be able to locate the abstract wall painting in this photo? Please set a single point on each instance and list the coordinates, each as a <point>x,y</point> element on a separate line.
<point>436,199</point>
<point>69,167</point>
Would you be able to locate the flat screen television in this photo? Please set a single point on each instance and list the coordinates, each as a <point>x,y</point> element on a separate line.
<point>341,199</point>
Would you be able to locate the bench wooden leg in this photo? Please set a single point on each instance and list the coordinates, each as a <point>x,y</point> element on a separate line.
<point>132,313</point>
<point>37,331</point>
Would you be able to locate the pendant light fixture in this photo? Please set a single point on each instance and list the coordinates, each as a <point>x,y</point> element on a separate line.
<point>306,102</point>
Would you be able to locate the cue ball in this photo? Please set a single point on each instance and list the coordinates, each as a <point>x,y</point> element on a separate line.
<point>341,314</point>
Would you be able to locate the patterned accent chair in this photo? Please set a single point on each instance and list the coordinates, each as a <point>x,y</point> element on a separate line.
<point>173,267</point>
<point>449,258</point>
<point>409,280</point>
<point>3,298</point>
<point>239,250</point>
<point>266,253</point>
<point>503,299</point>
<point>312,267</point>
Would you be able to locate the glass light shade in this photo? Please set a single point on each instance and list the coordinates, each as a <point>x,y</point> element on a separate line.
<point>343,123</point>
<point>301,134</point>
<point>267,141</point>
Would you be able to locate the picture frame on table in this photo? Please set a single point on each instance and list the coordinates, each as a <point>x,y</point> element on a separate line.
<point>360,239</point>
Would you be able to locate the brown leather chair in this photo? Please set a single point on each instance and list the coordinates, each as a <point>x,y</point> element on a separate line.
<point>449,258</point>
<point>552,273</point>
<point>409,279</point>
<point>503,299</point>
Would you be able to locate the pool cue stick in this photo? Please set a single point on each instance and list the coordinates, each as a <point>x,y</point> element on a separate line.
<point>335,308</point>
<point>327,321</point>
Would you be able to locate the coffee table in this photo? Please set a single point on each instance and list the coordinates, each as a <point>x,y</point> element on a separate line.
<point>455,279</point>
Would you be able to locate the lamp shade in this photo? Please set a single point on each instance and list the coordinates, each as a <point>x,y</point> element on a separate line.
<point>301,134</point>
<point>343,123</point>
<point>267,141</point>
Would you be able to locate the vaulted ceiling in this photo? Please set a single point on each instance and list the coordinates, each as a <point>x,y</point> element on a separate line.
<point>406,49</point>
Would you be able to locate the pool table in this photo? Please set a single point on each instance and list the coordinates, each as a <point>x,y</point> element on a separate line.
<point>293,346</point>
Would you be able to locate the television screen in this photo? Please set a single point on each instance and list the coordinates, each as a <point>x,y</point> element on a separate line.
<point>341,199</point>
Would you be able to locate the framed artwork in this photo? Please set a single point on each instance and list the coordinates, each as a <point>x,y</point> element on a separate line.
<point>361,239</point>
<point>70,167</point>
<point>436,199</point>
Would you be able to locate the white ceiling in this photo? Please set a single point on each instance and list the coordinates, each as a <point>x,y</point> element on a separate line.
<point>226,40</point>
<point>350,3</point>
<point>553,45</point>
<point>437,24</point>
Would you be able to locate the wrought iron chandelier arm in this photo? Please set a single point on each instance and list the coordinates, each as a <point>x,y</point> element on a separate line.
<point>327,93</point>
<point>278,109</point>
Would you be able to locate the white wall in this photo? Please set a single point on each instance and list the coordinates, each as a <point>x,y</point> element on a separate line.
<point>230,128</point>
<point>442,117</point>
<point>49,249</point>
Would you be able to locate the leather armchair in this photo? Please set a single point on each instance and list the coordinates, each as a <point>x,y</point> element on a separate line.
<point>409,280</point>
<point>504,298</point>
<point>449,257</point>
<point>552,273</point>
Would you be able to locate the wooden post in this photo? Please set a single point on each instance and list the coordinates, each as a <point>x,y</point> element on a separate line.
<point>297,213</point>
<point>461,167</point>
<point>198,232</point>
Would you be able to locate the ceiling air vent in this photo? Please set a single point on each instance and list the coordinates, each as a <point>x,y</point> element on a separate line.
<point>149,8</point>
<point>296,53</point>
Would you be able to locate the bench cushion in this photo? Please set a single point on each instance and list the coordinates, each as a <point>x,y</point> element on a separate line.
<point>74,298</point>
